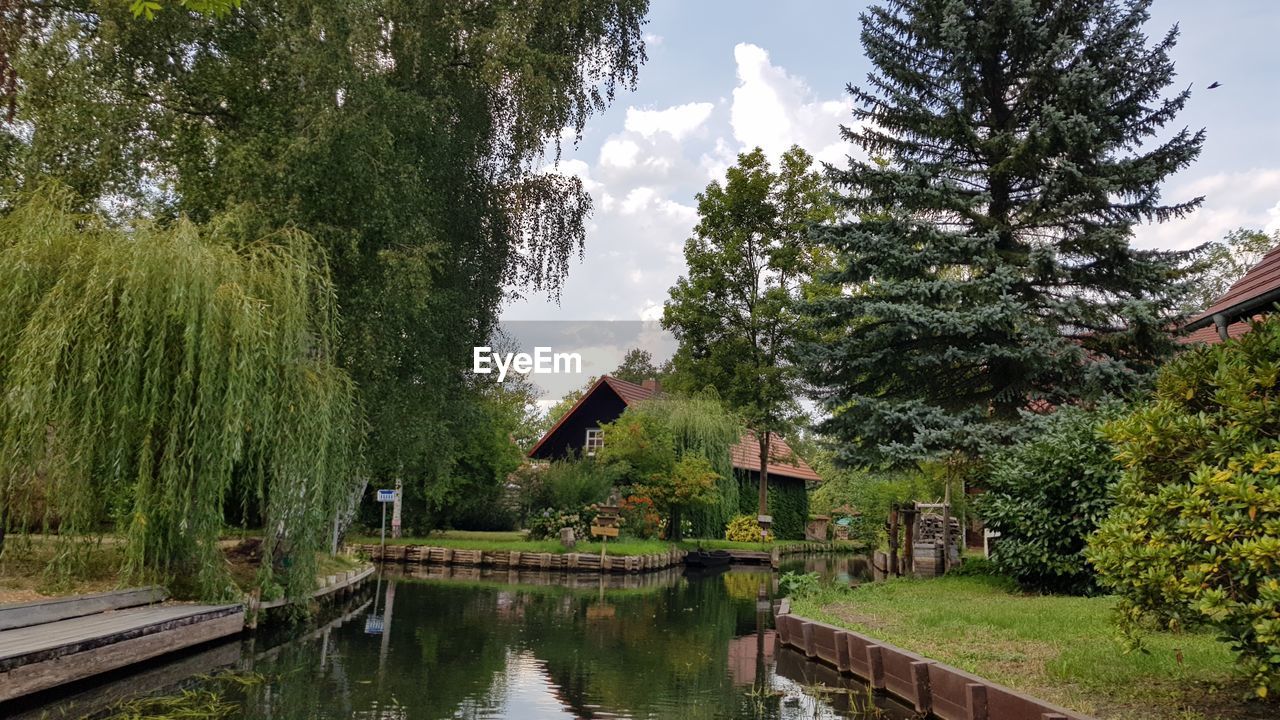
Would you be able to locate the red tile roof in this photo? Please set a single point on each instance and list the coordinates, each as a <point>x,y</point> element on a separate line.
<point>1262,279</point>
<point>745,453</point>
<point>782,459</point>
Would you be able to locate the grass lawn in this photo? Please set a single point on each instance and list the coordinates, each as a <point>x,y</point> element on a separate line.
<point>507,541</point>
<point>838,545</point>
<point>26,572</point>
<point>1061,649</point>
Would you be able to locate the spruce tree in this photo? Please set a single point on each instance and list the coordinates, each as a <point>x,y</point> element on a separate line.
<point>988,267</point>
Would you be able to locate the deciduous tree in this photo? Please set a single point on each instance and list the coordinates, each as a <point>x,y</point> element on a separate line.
<point>734,313</point>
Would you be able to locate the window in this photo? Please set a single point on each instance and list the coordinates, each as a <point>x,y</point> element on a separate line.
<point>595,440</point>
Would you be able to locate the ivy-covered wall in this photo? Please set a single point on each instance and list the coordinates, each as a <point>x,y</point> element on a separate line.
<point>710,522</point>
<point>788,503</point>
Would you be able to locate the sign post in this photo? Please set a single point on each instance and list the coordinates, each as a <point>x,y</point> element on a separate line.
<point>605,526</point>
<point>384,497</point>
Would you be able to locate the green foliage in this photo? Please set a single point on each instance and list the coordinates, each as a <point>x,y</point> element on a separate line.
<point>976,567</point>
<point>794,584</point>
<point>1046,494</point>
<point>636,367</point>
<point>405,137</point>
<point>745,528</point>
<point>652,447</point>
<point>987,267</point>
<point>1227,261</point>
<point>750,261</point>
<point>156,376</point>
<point>872,494</point>
<point>547,524</point>
<point>788,503</point>
<point>216,8</point>
<point>571,484</point>
<point>1195,533</point>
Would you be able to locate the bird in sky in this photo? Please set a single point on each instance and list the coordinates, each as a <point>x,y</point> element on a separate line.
<point>1215,85</point>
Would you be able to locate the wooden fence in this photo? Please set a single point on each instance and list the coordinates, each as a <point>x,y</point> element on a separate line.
<point>932,688</point>
<point>515,559</point>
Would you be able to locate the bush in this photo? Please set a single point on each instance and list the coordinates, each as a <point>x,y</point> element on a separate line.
<point>547,524</point>
<point>871,494</point>
<point>568,484</point>
<point>1045,496</point>
<point>976,567</point>
<point>640,518</point>
<point>745,528</point>
<point>1194,536</point>
<point>793,584</point>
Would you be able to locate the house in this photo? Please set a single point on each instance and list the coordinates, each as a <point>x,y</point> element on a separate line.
<point>1252,296</point>
<point>578,433</point>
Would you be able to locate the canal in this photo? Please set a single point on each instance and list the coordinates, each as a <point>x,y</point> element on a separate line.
<point>463,644</point>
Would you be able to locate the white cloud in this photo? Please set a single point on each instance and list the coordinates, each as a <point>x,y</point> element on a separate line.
<point>652,39</point>
<point>677,121</point>
<point>619,153</point>
<point>1249,199</point>
<point>774,110</point>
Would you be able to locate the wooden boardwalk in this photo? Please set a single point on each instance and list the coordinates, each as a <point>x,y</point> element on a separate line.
<point>65,640</point>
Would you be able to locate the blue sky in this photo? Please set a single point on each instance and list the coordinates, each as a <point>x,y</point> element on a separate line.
<point>724,76</point>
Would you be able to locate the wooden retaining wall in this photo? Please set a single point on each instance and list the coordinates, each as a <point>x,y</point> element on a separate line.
<point>932,688</point>
<point>514,559</point>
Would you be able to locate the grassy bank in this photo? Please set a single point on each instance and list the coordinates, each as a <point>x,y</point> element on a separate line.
<point>836,546</point>
<point>29,568</point>
<point>1063,649</point>
<point>506,542</point>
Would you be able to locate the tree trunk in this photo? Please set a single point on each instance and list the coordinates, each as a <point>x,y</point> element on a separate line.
<point>673,533</point>
<point>764,439</point>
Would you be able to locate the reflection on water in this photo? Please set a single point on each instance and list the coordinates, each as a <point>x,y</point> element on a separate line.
<point>482,647</point>
<point>841,569</point>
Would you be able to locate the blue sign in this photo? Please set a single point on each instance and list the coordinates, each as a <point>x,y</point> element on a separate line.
<point>386,496</point>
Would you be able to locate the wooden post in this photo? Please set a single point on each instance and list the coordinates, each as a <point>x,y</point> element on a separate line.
<point>875,665</point>
<point>946,525</point>
<point>920,680</point>
<point>976,701</point>
<point>893,540</point>
<point>909,540</point>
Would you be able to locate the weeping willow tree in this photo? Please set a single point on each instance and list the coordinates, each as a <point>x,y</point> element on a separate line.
<point>152,376</point>
<point>699,424</point>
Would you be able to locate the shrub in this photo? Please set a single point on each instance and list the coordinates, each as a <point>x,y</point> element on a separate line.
<point>1194,536</point>
<point>872,494</point>
<point>795,584</point>
<point>639,517</point>
<point>976,567</point>
<point>547,523</point>
<point>575,483</point>
<point>745,528</point>
<point>1046,494</point>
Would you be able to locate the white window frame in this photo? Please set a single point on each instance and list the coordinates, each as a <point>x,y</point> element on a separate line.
<point>594,441</point>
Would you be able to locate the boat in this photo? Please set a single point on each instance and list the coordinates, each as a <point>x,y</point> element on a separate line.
<point>708,558</point>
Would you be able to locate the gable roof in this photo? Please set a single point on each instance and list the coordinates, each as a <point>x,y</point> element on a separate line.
<point>745,453</point>
<point>1251,295</point>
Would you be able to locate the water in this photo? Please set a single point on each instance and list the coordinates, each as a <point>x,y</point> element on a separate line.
<point>484,647</point>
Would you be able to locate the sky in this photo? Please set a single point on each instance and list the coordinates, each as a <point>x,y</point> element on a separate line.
<point>724,76</point>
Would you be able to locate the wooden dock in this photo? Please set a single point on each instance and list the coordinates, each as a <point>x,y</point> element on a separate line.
<point>49,643</point>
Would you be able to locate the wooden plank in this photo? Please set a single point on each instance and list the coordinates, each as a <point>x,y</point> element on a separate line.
<point>55,671</point>
<point>20,615</point>
<point>36,644</point>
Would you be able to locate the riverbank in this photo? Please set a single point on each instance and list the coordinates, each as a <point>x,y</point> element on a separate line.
<point>29,567</point>
<point>1062,649</point>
